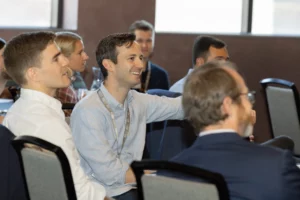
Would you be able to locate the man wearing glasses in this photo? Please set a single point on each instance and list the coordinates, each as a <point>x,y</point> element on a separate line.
<point>218,104</point>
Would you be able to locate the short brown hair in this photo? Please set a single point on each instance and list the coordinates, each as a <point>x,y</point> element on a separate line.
<point>66,42</point>
<point>23,52</point>
<point>141,25</point>
<point>202,44</point>
<point>107,48</point>
<point>204,92</point>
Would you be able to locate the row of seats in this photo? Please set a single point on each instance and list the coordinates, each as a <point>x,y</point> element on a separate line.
<point>170,137</point>
<point>48,176</point>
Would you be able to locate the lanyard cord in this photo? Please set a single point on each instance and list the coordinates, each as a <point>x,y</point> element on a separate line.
<point>126,132</point>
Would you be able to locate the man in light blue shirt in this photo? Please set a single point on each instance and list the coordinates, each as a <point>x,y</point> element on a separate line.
<point>205,49</point>
<point>109,125</point>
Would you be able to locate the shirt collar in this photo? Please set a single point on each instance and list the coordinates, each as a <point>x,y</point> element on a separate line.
<point>112,102</point>
<point>203,133</point>
<point>34,95</point>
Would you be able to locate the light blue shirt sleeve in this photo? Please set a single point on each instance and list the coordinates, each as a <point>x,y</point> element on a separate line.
<point>162,108</point>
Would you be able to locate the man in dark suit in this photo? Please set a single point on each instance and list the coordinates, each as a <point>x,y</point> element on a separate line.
<point>153,76</point>
<point>215,101</point>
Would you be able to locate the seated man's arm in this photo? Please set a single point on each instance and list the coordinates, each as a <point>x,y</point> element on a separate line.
<point>93,142</point>
<point>161,108</point>
<point>59,133</point>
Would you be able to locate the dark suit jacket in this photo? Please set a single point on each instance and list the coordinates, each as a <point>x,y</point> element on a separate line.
<point>159,78</point>
<point>12,185</point>
<point>252,172</point>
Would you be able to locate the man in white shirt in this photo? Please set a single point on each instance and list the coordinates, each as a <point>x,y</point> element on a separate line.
<point>205,49</point>
<point>35,62</point>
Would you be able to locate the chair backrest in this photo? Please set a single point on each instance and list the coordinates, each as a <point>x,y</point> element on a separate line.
<point>156,130</point>
<point>46,169</point>
<point>12,184</point>
<point>211,187</point>
<point>165,188</point>
<point>178,135</point>
<point>68,106</point>
<point>282,99</point>
<point>162,92</point>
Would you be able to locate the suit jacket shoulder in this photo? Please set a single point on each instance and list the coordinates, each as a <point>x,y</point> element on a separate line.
<point>250,170</point>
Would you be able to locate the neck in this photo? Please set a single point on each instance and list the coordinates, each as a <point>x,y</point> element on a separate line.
<point>118,91</point>
<point>48,91</point>
<point>221,125</point>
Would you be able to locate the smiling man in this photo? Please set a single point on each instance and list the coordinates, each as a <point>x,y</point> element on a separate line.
<point>35,62</point>
<point>109,125</point>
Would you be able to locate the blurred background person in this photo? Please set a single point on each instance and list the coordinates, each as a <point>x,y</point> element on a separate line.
<point>153,76</point>
<point>72,48</point>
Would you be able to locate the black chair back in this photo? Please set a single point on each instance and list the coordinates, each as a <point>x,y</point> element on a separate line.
<point>178,135</point>
<point>283,108</point>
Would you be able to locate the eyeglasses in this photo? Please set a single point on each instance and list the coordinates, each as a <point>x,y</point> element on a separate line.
<point>250,96</point>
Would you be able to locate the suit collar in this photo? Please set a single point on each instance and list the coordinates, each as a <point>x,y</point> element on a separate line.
<point>217,138</point>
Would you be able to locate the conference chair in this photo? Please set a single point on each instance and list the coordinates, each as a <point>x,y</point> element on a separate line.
<point>46,169</point>
<point>282,100</point>
<point>191,182</point>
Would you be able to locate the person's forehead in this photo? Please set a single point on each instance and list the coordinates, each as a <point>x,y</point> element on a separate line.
<point>142,33</point>
<point>50,50</point>
<point>218,51</point>
<point>79,44</point>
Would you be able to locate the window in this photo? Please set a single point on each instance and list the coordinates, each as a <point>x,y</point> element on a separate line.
<point>230,16</point>
<point>276,17</point>
<point>194,16</point>
<point>31,13</point>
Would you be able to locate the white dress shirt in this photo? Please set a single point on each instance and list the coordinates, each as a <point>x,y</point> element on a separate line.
<point>39,115</point>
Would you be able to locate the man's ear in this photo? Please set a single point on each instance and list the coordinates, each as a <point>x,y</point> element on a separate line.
<point>108,64</point>
<point>227,106</point>
<point>32,73</point>
<point>199,61</point>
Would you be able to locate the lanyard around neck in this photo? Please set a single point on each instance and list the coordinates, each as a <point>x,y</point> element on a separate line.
<point>126,132</point>
<point>145,86</point>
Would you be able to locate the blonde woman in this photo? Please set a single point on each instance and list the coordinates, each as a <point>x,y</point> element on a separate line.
<point>72,47</point>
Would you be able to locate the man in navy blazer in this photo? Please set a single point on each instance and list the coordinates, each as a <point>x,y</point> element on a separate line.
<point>215,101</point>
